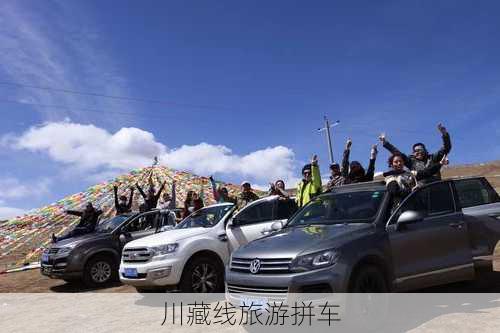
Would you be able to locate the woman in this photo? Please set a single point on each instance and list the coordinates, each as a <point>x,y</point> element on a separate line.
<point>192,203</point>
<point>278,188</point>
<point>400,182</point>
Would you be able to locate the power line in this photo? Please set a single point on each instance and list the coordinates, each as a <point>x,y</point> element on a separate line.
<point>82,109</point>
<point>124,98</point>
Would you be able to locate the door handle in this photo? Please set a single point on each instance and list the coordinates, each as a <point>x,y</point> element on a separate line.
<point>457,225</point>
<point>222,237</point>
<point>265,232</point>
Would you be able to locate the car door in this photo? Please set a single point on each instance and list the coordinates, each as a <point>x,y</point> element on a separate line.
<point>250,223</point>
<point>435,249</point>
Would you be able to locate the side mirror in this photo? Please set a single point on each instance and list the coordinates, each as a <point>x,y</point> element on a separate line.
<point>122,238</point>
<point>166,228</point>
<point>234,222</point>
<point>276,226</point>
<point>408,217</point>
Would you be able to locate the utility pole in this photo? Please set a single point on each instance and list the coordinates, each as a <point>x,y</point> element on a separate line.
<point>328,136</point>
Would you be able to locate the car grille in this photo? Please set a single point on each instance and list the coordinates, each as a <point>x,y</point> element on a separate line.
<point>267,266</point>
<point>137,255</point>
<point>274,294</point>
<point>53,250</point>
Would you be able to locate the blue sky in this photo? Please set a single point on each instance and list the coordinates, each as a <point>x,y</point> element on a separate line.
<point>241,87</point>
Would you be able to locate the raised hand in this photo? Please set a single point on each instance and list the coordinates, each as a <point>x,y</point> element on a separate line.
<point>373,152</point>
<point>348,144</point>
<point>442,129</point>
<point>444,160</point>
<point>381,137</point>
<point>314,160</point>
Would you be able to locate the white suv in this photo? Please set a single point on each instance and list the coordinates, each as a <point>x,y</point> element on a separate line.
<point>192,256</point>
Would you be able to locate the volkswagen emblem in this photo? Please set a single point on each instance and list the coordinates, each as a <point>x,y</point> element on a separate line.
<point>255,266</point>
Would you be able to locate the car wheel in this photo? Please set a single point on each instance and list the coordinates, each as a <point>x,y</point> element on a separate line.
<point>369,279</point>
<point>202,275</point>
<point>99,271</point>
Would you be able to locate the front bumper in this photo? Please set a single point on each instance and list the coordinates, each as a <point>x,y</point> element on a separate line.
<point>64,266</point>
<point>279,287</point>
<point>156,273</point>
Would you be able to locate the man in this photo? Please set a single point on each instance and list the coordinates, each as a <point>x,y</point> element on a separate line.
<point>310,185</point>
<point>221,194</point>
<point>336,177</point>
<point>420,159</point>
<point>246,196</point>
<point>169,201</point>
<point>121,204</point>
<point>278,188</point>
<point>151,199</point>
<point>88,221</point>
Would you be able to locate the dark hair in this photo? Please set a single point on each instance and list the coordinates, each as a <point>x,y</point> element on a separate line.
<point>280,181</point>
<point>418,144</point>
<point>334,166</point>
<point>392,157</point>
<point>306,167</point>
<point>122,197</point>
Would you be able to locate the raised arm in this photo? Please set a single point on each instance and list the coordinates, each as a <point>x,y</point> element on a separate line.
<point>214,189</point>
<point>157,195</point>
<point>345,159</point>
<point>315,173</point>
<point>141,191</point>
<point>446,148</point>
<point>172,197</point>
<point>115,192</point>
<point>129,204</point>
<point>370,172</point>
<point>74,212</point>
<point>393,150</point>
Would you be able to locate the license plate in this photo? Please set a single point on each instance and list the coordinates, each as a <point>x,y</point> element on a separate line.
<point>254,302</point>
<point>130,272</point>
<point>45,257</point>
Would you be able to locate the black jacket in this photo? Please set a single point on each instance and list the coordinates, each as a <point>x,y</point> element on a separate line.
<point>151,202</point>
<point>88,218</point>
<point>363,176</point>
<point>123,208</point>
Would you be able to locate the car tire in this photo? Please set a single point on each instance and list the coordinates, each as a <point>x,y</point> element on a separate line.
<point>202,275</point>
<point>99,271</point>
<point>369,279</point>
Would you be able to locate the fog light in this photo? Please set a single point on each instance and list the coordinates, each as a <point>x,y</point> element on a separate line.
<point>160,273</point>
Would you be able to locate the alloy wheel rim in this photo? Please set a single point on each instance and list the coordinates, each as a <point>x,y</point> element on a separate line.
<point>101,271</point>
<point>204,278</point>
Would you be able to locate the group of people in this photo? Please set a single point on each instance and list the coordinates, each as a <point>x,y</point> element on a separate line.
<point>406,173</point>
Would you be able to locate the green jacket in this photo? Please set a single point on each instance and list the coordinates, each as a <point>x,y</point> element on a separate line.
<point>307,191</point>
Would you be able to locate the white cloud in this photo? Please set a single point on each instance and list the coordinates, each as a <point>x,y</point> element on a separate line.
<point>7,213</point>
<point>91,148</point>
<point>13,188</point>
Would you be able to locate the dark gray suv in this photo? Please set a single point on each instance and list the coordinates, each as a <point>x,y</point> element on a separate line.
<point>94,258</point>
<point>352,240</point>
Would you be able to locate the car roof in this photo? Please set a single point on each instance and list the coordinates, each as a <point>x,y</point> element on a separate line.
<point>358,187</point>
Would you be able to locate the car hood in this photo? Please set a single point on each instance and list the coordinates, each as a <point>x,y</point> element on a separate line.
<point>290,242</point>
<point>167,237</point>
<point>75,241</point>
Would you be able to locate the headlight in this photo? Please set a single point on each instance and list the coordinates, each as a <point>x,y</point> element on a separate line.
<point>314,261</point>
<point>164,249</point>
<point>64,250</point>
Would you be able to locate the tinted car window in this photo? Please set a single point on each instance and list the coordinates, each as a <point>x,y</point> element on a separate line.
<point>111,224</point>
<point>260,212</point>
<point>474,192</point>
<point>205,217</point>
<point>286,208</point>
<point>143,222</point>
<point>440,199</point>
<point>359,207</point>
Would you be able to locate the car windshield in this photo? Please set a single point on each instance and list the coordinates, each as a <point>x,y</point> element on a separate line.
<point>111,224</point>
<point>353,207</point>
<point>205,217</point>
